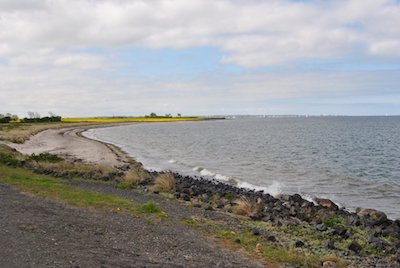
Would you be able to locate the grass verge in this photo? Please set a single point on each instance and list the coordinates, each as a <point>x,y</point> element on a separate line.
<point>55,189</point>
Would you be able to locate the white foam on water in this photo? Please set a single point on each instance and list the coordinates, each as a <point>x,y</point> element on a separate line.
<point>221,177</point>
<point>205,172</point>
<point>172,161</point>
<point>198,169</point>
<point>274,189</point>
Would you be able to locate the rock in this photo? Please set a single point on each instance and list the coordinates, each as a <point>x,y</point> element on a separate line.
<point>220,204</point>
<point>329,264</point>
<point>378,243</point>
<point>271,238</point>
<point>331,245</point>
<point>257,217</point>
<point>299,244</point>
<point>375,217</point>
<point>296,198</point>
<point>326,203</point>
<point>208,207</point>
<point>355,247</point>
<point>321,227</point>
<point>237,240</point>
<point>256,231</point>
<point>341,231</point>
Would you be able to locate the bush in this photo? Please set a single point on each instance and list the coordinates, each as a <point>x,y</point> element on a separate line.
<point>165,183</point>
<point>5,119</point>
<point>150,207</point>
<point>244,207</point>
<point>45,157</point>
<point>134,176</point>
<point>8,159</point>
<point>45,119</point>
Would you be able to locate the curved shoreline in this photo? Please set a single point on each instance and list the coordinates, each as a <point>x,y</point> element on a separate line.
<point>111,154</point>
<point>342,232</point>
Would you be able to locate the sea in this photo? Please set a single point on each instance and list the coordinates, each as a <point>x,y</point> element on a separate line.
<point>354,161</point>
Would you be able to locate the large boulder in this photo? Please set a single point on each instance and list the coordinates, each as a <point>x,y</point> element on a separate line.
<point>326,203</point>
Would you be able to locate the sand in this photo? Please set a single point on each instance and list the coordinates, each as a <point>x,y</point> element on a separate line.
<point>70,144</point>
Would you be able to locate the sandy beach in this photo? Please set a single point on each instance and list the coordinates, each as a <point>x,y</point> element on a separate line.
<point>70,144</point>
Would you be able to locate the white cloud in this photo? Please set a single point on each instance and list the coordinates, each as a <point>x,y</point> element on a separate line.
<point>277,31</point>
<point>46,59</point>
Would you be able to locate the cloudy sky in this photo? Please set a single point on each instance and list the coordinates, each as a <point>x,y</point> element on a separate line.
<point>132,57</point>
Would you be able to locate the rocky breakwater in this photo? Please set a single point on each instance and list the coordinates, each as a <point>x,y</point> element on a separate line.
<point>366,234</point>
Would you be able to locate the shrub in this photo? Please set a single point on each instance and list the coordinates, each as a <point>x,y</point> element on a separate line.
<point>165,183</point>
<point>150,207</point>
<point>45,157</point>
<point>133,176</point>
<point>244,206</point>
<point>8,159</point>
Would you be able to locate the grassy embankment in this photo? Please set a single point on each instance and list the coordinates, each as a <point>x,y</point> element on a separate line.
<point>56,189</point>
<point>20,132</point>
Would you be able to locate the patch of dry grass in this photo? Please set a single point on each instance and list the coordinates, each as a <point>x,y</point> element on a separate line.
<point>20,132</point>
<point>165,183</point>
<point>244,207</point>
<point>136,176</point>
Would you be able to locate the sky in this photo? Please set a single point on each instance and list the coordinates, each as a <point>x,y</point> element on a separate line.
<point>200,57</point>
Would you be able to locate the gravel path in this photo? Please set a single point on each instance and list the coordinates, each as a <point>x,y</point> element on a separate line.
<point>39,233</point>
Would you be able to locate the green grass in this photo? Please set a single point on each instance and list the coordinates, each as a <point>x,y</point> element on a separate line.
<point>150,207</point>
<point>126,185</point>
<point>55,189</point>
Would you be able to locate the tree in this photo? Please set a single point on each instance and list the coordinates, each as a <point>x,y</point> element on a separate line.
<point>179,115</point>
<point>153,115</point>
<point>33,115</point>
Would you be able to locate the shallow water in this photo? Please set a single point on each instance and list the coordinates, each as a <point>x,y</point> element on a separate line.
<point>354,161</point>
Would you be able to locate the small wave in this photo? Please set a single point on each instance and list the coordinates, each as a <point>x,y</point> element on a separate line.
<point>198,169</point>
<point>172,161</point>
<point>205,172</point>
<point>221,177</point>
<point>274,189</point>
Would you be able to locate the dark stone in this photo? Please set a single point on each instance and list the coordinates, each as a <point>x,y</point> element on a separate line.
<point>341,231</point>
<point>299,244</point>
<point>257,217</point>
<point>256,231</point>
<point>331,245</point>
<point>197,205</point>
<point>296,198</point>
<point>378,243</point>
<point>271,238</point>
<point>208,207</point>
<point>355,247</point>
<point>321,227</point>
<point>220,204</point>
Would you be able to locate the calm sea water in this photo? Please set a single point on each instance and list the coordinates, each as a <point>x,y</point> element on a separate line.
<point>354,161</point>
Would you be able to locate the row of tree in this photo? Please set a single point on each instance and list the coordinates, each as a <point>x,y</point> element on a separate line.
<point>33,117</point>
<point>154,115</point>
<point>6,118</point>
